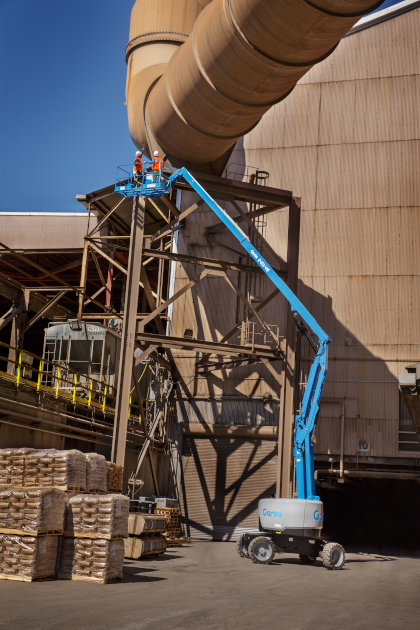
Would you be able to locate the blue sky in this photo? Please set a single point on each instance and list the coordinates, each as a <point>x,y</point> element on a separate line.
<point>63,122</point>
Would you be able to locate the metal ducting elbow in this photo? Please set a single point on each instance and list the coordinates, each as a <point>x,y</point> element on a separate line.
<point>157,29</point>
<point>241,58</point>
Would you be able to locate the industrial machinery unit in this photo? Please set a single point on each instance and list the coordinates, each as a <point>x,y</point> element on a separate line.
<point>88,348</point>
<point>301,518</point>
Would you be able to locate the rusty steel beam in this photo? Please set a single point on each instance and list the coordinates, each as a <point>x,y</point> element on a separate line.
<point>128,333</point>
<point>286,416</point>
<point>11,290</point>
<point>209,263</point>
<point>238,326</point>
<point>227,365</point>
<point>177,295</point>
<point>43,311</point>
<point>210,347</point>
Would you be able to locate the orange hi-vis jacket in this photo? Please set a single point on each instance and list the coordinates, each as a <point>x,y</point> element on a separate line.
<point>138,165</point>
<point>157,164</point>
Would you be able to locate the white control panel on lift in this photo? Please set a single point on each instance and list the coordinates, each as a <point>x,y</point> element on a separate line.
<point>280,514</point>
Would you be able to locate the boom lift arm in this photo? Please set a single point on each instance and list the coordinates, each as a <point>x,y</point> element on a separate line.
<point>306,420</point>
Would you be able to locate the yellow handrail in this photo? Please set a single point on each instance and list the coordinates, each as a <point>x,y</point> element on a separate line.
<point>38,383</point>
<point>90,392</point>
<point>19,367</point>
<point>44,369</point>
<point>58,381</point>
<point>74,388</point>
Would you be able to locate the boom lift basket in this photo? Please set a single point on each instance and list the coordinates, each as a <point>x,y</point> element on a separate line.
<point>149,183</point>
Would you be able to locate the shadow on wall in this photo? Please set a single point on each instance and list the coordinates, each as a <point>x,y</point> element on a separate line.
<point>222,496</point>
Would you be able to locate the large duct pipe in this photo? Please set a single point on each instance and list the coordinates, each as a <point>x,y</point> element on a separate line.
<point>157,29</point>
<point>242,57</point>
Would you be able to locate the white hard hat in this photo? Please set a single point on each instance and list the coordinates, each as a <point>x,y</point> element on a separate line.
<point>138,152</point>
<point>156,153</point>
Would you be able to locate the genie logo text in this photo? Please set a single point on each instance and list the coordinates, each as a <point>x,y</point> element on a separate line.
<point>318,516</point>
<point>269,513</point>
<point>260,261</point>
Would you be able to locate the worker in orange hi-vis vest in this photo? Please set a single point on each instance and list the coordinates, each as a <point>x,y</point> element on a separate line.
<point>158,162</point>
<point>138,165</point>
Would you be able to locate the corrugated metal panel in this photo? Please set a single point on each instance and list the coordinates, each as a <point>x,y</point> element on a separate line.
<point>43,231</point>
<point>246,411</point>
<point>388,49</point>
<point>347,141</point>
<point>223,480</point>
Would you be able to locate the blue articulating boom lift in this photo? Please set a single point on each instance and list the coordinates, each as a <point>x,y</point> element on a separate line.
<point>289,525</point>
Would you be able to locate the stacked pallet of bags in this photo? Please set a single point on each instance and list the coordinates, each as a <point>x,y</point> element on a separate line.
<point>115,477</point>
<point>93,545</point>
<point>40,498</point>
<point>31,520</point>
<point>12,465</point>
<point>146,535</point>
<point>96,473</point>
<point>62,469</point>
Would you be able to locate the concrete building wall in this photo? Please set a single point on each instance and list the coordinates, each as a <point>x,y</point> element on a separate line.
<point>347,141</point>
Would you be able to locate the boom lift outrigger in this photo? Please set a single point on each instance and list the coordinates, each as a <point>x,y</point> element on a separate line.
<point>302,518</point>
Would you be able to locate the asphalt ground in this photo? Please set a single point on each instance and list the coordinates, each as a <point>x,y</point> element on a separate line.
<point>208,586</point>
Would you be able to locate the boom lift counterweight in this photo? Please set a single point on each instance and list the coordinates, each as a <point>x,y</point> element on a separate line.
<point>291,525</point>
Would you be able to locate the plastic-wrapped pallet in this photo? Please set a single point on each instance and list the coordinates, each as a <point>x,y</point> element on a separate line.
<point>96,473</point>
<point>27,558</point>
<point>98,516</point>
<point>145,546</point>
<point>142,524</point>
<point>60,540</point>
<point>31,510</point>
<point>61,469</point>
<point>91,560</point>
<point>115,477</point>
<point>12,465</point>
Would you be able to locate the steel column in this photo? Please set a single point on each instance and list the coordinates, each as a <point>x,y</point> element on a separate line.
<point>284,460</point>
<point>128,333</point>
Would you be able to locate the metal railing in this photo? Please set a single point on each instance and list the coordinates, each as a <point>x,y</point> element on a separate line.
<point>246,173</point>
<point>55,378</point>
<point>252,334</point>
<point>154,175</point>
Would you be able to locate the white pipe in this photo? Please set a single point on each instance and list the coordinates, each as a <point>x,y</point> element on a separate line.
<point>341,402</point>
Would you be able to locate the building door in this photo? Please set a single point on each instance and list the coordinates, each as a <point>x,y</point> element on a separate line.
<point>223,479</point>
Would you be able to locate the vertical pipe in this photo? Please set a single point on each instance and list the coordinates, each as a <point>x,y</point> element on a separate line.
<point>83,274</point>
<point>172,274</point>
<point>109,284</point>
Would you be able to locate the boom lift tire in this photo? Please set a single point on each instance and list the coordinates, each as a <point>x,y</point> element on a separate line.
<point>333,556</point>
<point>307,559</point>
<point>262,550</point>
<point>242,547</point>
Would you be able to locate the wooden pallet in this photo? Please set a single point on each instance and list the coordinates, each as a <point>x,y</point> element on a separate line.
<point>167,511</point>
<point>82,578</point>
<point>21,578</point>
<point>93,536</point>
<point>94,491</point>
<point>177,542</point>
<point>73,489</point>
<point>172,533</point>
<point>22,532</point>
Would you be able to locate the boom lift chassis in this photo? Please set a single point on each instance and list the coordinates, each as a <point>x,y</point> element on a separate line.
<point>302,518</point>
